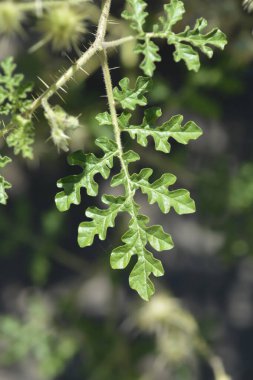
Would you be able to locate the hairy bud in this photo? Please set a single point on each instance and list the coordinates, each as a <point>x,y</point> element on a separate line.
<point>10,18</point>
<point>63,27</point>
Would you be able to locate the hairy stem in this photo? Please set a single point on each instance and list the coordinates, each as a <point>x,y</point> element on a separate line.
<point>113,112</point>
<point>94,48</point>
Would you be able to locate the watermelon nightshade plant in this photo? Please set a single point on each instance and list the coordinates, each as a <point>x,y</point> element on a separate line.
<point>123,101</point>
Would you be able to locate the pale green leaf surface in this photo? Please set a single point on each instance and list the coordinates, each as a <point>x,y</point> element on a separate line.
<point>136,14</point>
<point>189,38</point>
<point>129,98</point>
<point>150,51</point>
<point>101,220</point>
<point>91,165</point>
<point>159,193</point>
<point>172,128</point>
<point>135,241</point>
<point>174,12</point>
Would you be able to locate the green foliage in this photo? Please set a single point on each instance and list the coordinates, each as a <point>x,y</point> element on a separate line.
<point>13,92</point>
<point>136,14</point>
<point>130,98</point>
<point>170,129</point>
<point>187,53</point>
<point>36,337</point>
<point>4,185</point>
<point>14,103</point>
<point>91,165</point>
<point>139,232</point>
<point>21,137</point>
<point>150,51</point>
<point>241,189</point>
<point>185,43</point>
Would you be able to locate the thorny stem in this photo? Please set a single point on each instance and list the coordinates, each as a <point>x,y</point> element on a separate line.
<point>97,46</point>
<point>93,49</point>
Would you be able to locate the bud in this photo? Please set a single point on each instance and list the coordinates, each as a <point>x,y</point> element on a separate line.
<point>61,123</point>
<point>63,27</point>
<point>10,18</point>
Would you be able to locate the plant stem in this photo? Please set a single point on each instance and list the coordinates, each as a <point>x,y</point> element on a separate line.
<point>78,65</point>
<point>98,45</point>
<point>113,112</point>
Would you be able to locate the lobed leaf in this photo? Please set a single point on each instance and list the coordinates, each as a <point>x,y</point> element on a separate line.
<point>184,41</point>
<point>101,220</point>
<point>174,12</point>
<point>135,241</point>
<point>136,14</point>
<point>150,51</point>
<point>91,165</point>
<point>130,98</point>
<point>159,193</point>
<point>170,129</point>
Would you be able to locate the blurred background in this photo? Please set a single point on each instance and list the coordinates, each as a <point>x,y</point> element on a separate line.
<point>64,314</point>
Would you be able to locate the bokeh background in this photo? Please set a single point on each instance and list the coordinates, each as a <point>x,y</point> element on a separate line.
<point>64,314</point>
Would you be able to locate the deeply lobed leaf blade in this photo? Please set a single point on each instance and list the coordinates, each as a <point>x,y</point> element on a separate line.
<point>91,165</point>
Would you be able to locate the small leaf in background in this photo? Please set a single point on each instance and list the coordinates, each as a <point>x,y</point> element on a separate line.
<point>13,92</point>
<point>4,185</point>
<point>21,137</point>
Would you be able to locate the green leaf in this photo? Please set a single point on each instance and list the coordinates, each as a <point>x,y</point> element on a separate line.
<point>170,129</point>
<point>135,241</point>
<point>159,193</point>
<point>174,13</point>
<point>4,160</point>
<point>105,119</point>
<point>185,41</point>
<point>136,14</point>
<point>4,185</point>
<point>21,137</point>
<point>150,51</point>
<point>140,234</point>
<point>91,165</point>
<point>101,220</point>
<point>130,98</point>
